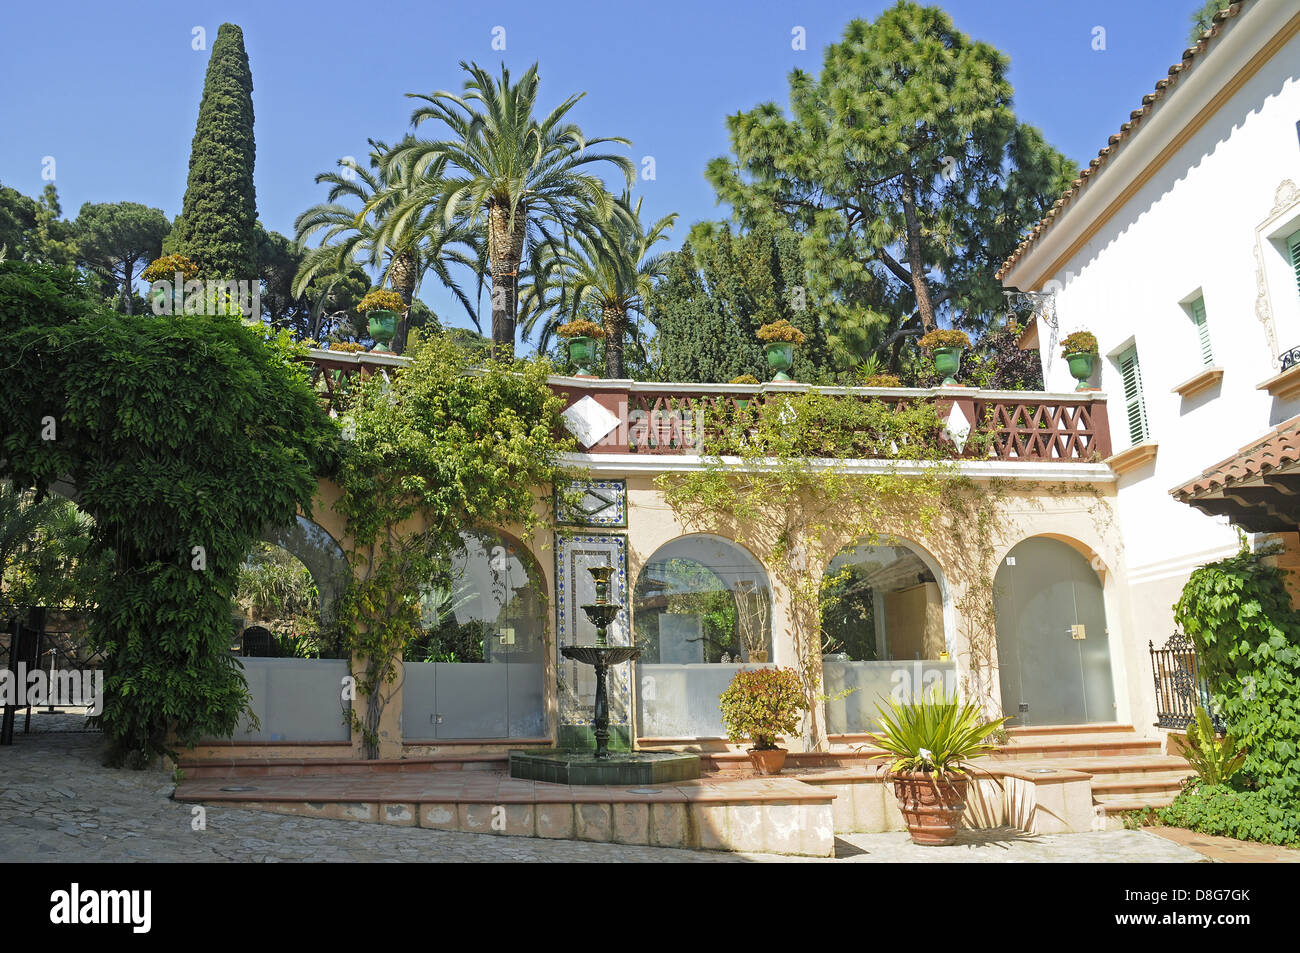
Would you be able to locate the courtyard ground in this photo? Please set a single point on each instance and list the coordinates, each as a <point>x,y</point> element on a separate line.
<point>59,805</point>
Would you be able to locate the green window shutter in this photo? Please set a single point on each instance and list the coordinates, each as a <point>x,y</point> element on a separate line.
<point>1202,331</point>
<point>1293,246</point>
<point>1131,374</point>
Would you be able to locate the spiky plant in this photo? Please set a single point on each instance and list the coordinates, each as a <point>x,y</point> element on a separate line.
<point>937,735</point>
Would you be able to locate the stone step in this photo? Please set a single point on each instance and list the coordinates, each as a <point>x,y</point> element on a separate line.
<point>1136,785</point>
<point>1148,767</point>
<point>1096,747</point>
<point>1063,732</point>
<point>769,815</point>
<point>1117,804</point>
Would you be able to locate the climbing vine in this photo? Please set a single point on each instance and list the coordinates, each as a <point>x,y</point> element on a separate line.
<point>775,478</point>
<point>442,447</point>
<point>183,437</point>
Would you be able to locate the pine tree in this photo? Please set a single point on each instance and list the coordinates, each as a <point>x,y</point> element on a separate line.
<point>217,224</point>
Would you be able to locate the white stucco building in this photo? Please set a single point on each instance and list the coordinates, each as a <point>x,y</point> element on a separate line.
<point>1179,248</point>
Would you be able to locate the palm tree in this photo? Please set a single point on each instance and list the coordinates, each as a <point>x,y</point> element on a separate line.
<point>404,244</point>
<point>610,271</point>
<point>508,175</point>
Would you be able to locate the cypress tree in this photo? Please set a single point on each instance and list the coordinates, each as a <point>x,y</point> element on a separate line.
<point>217,225</point>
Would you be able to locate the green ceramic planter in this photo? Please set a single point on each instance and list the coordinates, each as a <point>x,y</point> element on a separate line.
<point>947,361</point>
<point>581,351</point>
<point>1081,366</point>
<point>780,357</point>
<point>383,325</point>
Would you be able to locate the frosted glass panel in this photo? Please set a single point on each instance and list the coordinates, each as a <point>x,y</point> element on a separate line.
<point>681,701</point>
<point>295,700</point>
<point>871,684</point>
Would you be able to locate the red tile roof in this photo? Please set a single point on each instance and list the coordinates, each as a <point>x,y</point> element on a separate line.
<point>1163,86</point>
<point>1280,447</point>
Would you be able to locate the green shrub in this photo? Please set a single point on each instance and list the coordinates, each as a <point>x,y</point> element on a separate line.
<point>1245,815</point>
<point>1247,636</point>
<point>1080,342</point>
<point>938,734</point>
<point>762,705</point>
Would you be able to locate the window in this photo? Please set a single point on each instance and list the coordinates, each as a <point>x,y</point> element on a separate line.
<point>1202,331</point>
<point>1131,374</point>
<point>1293,249</point>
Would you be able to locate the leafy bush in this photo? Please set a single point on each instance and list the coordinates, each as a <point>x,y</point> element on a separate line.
<point>165,268</point>
<point>944,337</point>
<point>1245,815</point>
<point>745,379</point>
<point>762,705</point>
<point>781,332</point>
<point>1247,636</point>
<point>937,735</point>
<point>882,380</point>
<point>1080,342</point>
<point>1215,761</point>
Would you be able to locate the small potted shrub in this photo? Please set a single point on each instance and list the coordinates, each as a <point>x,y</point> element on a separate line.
<point>381,308</point>
<point>582,336</point>
<point>930,745</point>
<point>742,403</point>
<point>1080,352</point>
<point>175,270</point>
<point>763,705</point>
<point>779,339</point>
<point>945,346</point>
<point>882,380</point>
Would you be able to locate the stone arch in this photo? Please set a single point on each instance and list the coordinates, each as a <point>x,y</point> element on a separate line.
<point>315,548</point>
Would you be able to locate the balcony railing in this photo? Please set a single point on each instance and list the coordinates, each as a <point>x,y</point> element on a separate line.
<point>620,416</point>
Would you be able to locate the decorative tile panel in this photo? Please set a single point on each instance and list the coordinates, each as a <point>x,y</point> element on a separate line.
<point>574,553</point>
<point>603,503</point>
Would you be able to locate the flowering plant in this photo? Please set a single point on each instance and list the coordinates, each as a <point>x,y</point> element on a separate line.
<point>780,332</point>
<point>944,337</point>
<point>1080,342</point>
<point>382,299</point>
<point>581,328</point>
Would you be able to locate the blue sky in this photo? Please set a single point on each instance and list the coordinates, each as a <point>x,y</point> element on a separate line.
<point>111,90</point>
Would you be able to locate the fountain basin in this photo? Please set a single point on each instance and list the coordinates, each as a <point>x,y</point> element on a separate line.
<point>601,654</point>
<point>570,766</point>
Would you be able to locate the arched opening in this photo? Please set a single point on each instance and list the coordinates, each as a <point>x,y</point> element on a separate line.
<point>1054,664</point>
<point>476,670</point>
<point>884,633</point>
<point>702,608</point>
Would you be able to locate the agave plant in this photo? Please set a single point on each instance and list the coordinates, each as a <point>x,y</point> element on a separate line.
<point>937,735</point>
<point>1214,761</point>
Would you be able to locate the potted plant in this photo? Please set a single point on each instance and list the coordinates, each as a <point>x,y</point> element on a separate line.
<point>582,335</point>
<point>762,705</point>
<point>381,308</point>
<point>882,380</point>
<point>1080,352</point>
<point>931,744</point>
<point>742,403</point>
<point>779,339</point>
<point>945,346</point>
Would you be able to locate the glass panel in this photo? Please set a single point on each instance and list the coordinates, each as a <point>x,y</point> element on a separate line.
<point>482,619</point>
<point>855,690</point>
<point>702,608</point>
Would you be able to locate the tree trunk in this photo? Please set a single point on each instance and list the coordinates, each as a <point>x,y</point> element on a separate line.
<point>402,277</point>
<point>505,251</point>
<point>127,268</point>
<point>915,260</point>
<point>615,322</point>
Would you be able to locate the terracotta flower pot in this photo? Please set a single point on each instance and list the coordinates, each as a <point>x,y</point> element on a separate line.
<point>1081,365</point>
<point>931,807</point>
<point>767,760</point>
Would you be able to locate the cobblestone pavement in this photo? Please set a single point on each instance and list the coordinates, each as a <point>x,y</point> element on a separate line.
<point>58,804</point>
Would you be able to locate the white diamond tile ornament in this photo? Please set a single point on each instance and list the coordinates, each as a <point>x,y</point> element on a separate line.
<point>588,421</point>
<point>957,427</point>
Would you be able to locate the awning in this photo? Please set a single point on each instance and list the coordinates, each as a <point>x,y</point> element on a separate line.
<point>1258,487</point>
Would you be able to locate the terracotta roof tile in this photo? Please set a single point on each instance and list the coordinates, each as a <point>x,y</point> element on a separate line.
<point>1163,86</point>
<point>1280,447</point>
